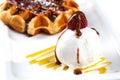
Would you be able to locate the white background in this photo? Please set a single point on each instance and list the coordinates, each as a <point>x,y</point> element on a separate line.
<point>110,9</point>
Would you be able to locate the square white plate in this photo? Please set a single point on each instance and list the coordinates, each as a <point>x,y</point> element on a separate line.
<point>16,46</point>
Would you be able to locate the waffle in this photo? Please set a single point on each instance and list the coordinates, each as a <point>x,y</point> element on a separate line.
<point>35,16</point>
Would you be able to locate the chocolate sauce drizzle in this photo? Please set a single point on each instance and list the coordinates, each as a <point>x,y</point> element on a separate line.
<point>78,32</point>
<point>57,60</point>
<point>96,31</point>
<point>78,54</point>
<point>75,23</point>
<point>78,24</point>
<point>77,71</point>
<point>47,7</point>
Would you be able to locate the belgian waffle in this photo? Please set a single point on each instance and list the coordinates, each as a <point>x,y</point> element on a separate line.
<point>35,16</point>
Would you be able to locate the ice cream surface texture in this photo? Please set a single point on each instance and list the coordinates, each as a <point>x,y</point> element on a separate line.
<point>79,52</point>
<point>78,46</point>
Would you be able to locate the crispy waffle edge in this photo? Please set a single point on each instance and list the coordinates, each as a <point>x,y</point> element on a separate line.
<point>38,23</point>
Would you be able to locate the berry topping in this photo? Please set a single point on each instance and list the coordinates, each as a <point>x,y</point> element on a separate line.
<point>78,19</point>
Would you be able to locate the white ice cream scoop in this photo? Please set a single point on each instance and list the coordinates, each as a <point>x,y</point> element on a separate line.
<point>78,46</point>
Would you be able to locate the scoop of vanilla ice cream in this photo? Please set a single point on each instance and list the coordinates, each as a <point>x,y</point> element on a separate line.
<point>80,51</point>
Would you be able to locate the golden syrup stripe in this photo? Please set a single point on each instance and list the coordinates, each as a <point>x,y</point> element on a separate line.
<point>44,54</point>
<point>65,68</point>
<point>102,59</point>
<point>101,70</point>
<point>37,59</point>
<point>46,60</point>
<point>33,61</point>
<point>50,65</point>
<point>106,64</point>
<point>41,51</point>
<point>43,63</point>
<point>93,69</point>
<point>56,67</point>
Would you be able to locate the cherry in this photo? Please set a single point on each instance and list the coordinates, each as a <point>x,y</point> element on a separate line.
<point>78,19</point>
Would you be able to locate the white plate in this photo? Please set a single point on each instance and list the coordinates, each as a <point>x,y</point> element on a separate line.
<point>17,46</point>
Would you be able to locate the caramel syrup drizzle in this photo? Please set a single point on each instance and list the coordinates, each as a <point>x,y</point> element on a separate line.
<point>47,58</point>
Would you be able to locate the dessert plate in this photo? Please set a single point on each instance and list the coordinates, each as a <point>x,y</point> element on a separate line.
<point>17,46</point>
